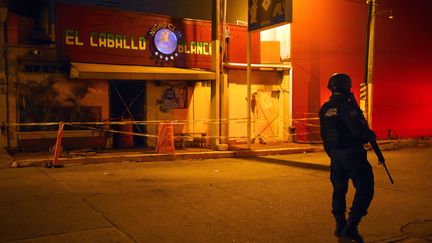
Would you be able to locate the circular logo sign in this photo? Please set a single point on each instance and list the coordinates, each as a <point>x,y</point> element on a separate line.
<point>165,41</point>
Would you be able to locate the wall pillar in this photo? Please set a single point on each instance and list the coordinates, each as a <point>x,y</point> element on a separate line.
<point>224,109</point>
<point>3,79</point>
<point>285,109</point>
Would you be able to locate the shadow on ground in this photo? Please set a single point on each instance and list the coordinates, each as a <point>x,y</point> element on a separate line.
<point>297,164</point>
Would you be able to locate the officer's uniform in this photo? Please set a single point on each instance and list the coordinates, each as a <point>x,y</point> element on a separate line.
<point>344,132</point>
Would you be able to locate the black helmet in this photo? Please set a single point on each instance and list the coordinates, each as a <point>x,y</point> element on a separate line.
<point>339,82</point>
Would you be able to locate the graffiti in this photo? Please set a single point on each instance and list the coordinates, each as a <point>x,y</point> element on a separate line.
<point>173,98</point>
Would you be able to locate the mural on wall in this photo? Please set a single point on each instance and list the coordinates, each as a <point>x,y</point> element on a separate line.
<point>36,103</point>
<point>173,98</point>
<point>53,101</point>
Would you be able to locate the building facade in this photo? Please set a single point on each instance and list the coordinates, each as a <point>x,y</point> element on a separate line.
<point>113,76</point>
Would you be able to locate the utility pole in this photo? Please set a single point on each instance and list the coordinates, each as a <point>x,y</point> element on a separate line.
<point>224,94</point>
<point>369,54</point>
<point>248,88</point>
<point>215,84</point>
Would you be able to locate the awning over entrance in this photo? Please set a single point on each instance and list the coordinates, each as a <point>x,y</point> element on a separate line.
<point>128,72</point>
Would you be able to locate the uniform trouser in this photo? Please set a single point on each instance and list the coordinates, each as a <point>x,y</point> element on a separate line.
<point>351,164</point>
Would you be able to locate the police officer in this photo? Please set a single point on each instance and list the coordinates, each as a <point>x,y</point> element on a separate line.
<point>344,131</point>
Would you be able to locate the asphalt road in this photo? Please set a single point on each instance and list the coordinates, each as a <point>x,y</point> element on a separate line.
<point>262,199</point>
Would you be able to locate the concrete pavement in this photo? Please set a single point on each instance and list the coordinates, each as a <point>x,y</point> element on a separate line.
<point>280,198</point>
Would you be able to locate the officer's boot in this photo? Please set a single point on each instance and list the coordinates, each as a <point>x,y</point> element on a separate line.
<point>350,231</point>
<point>340,224</point>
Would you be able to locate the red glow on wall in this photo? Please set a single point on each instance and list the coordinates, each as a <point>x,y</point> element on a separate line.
<point>329,36</point>
<point>403,70</point>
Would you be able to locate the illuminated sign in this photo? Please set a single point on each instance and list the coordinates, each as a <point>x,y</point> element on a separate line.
<point>194,47</point>
<point>165,41</point>
<point>101,35</point>
<point>106,40</point>
<point>168,43</point>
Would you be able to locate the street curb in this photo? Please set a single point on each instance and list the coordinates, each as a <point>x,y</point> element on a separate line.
<point>160,157</point>
<point>117,158</point>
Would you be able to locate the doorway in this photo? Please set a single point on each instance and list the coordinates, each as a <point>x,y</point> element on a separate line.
<point>266,115</point>
<point>128,104</point>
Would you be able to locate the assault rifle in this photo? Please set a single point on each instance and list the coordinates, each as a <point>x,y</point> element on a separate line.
<point>374,144</point>
<point>381,159</point>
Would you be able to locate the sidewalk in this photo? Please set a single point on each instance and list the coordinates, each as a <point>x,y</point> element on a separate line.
<point>146,154</point>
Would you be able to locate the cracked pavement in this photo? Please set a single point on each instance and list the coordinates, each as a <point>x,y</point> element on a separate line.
<point>283,198</point>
